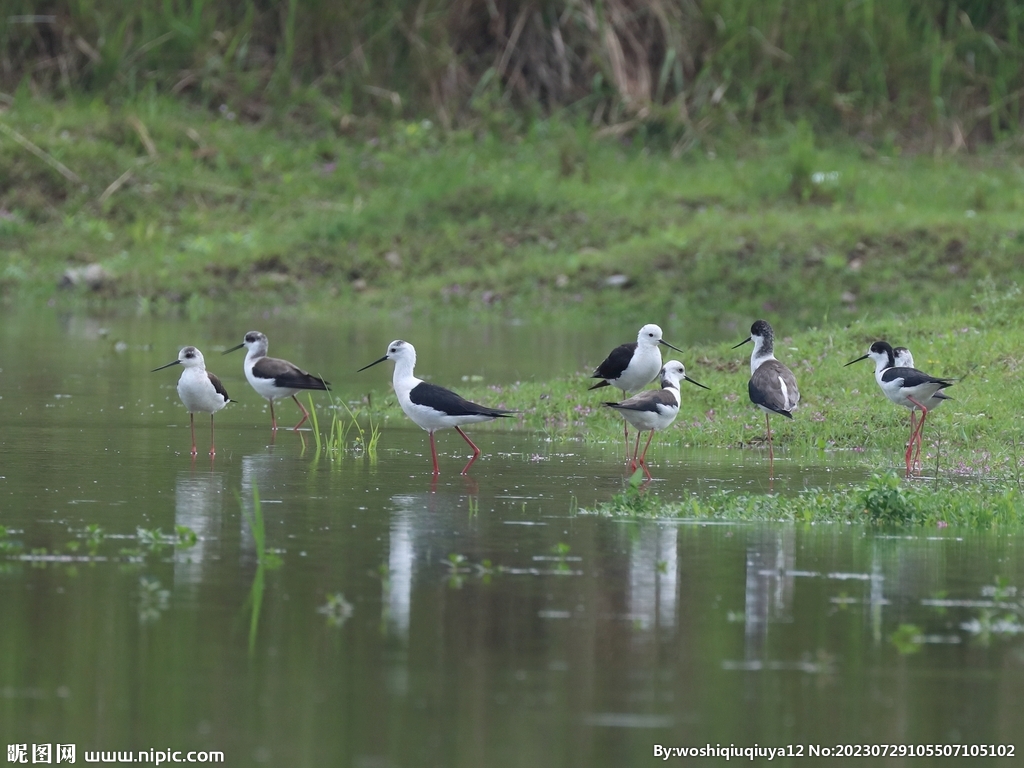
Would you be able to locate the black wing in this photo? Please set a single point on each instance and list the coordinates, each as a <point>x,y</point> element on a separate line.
<point>219,387</point>
<point>913,377</point>
<point>446,401</point>
<point>615,363</point>
<point>287,375</point>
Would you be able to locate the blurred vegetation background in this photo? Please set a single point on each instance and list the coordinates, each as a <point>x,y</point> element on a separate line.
<point>917,72</point>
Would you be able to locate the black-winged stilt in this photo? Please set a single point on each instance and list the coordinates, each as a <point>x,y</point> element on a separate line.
<point>430,406</point>
<point>654,409</point>
<point>275,379</point>
<point>772,386</point>
<point>904,359</point>
<point>200,391</point>
<point>632,366</point>
<point>904,386</point>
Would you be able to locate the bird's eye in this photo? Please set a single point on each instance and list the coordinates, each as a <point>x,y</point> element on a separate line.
<point>393,350</point>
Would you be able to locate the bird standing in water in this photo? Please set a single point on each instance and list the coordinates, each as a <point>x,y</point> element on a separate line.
<point>654,408</point>
<point>632,366</point>
<point>273,378</point>
<point>432,407</point>
<point>200,391</point>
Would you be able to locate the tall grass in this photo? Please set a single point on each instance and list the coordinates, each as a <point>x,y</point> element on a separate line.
<point>336,442</point>
<point>678,68</point>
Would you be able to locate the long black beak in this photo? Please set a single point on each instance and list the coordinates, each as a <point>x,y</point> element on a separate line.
<point>373,363</point>
<point>173,362</point>
<point>862,357</point>
<point>749,338</point>
<point>662,341</point>
<point>233,348</point>
<point>697,383</point>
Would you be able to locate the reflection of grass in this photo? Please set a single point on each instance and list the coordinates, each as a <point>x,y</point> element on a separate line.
<point>153,600</point>
<point>264,560</point>
<point>337,609</point>
<point>907,639</point>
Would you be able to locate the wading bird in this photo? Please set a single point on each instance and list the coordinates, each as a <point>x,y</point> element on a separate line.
<point>654,409</point>
<point>274,379</point>
<point>200,391</point>
<point>632,366</point>
<point>432,407</point>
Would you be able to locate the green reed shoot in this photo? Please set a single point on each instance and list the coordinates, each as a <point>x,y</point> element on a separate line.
<point>264,560</point>
<point>315,423</point>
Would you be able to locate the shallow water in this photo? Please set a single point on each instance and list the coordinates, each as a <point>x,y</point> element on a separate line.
<point>481,620</point>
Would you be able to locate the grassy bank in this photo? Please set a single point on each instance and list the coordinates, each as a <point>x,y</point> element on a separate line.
<point>177,208</point>
<point>884,501</point>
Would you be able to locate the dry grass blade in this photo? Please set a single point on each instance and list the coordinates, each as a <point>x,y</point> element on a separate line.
<point>116,184</point>
<point>47,158</point>
<point>144,137</point>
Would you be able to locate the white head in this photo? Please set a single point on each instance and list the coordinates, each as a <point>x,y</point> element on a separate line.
<point>650,336</point>
<point>903,357</point>
<point>672,373</point>
<point>254,341</point>
<point>402,352</point>
<point>189,357</point>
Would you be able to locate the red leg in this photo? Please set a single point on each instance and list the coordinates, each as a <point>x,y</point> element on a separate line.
<point>273,418</point>
<point>625,431</point>
<point>433,454</point>
<point>771,453</point>
<point>192,423</point>
<point>917,452</point>
<point>213,449</point>
<point>920,426</point>
<point>643,458</point>
<point>636,450</point>
<point>305,413</point>
<point>476,451</point>
<point>909,451</point>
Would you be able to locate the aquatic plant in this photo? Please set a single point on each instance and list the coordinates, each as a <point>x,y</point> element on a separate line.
<point>885,500</point>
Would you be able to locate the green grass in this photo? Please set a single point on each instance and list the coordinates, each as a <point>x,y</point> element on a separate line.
<point>183,210</point>
<point>679,74</point>
<point>885,501</point>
